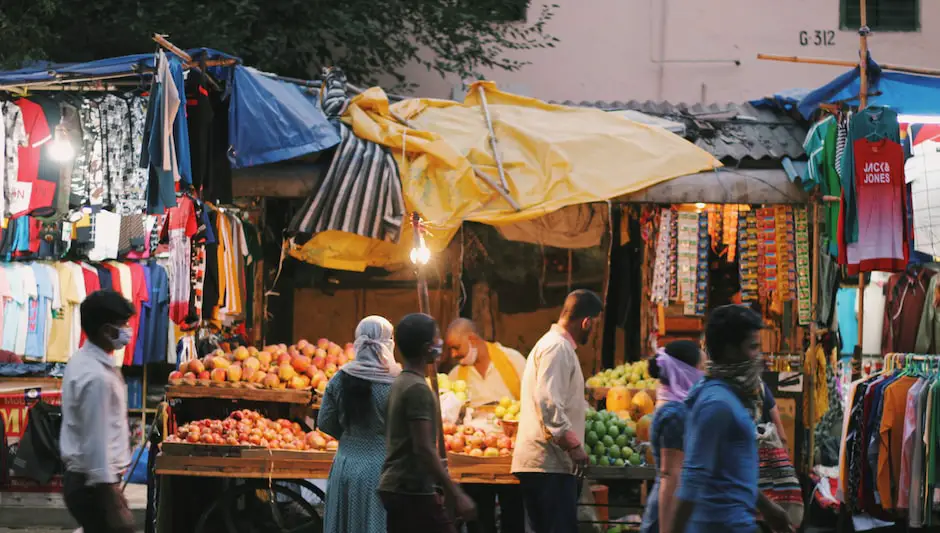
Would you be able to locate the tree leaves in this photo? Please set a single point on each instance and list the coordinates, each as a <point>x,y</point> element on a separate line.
<point>370,39</point>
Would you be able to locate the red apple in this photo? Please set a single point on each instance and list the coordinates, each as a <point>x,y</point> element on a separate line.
<point>196,366</point>
<point>323,344</point>
<point>175,377</point>
<point>204,375</point>
<point>300,363</point>
<point>218,375</point>
<point>458,443</point>
<point>319,361</point>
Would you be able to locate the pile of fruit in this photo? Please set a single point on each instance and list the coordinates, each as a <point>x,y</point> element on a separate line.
<point>632,375</point>
<point>249,428</point>
<point>475,442</point>
<point>613,440</point>
<point>300,366</point>
<point>458,387</point>
<point>507,410</point>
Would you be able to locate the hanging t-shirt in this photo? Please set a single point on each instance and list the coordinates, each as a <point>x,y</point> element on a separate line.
<point>923,174</point>
<point>14,137</point>
<point>874,312</point>
<point>13,311</point>
<point>848,320</point>
<point>107,236</point>
<point>92,284</point>
<point>38,317</point>
<point>139,296</point>
<point>881,197</point>
<point>28,192</point>
<point>63,316</point>
<point>5,296</point>
<point>78,279</point>
<point>181,226</point>
<point>35,307</point>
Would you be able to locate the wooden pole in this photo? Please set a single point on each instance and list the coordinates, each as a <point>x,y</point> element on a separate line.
<point>424,306</point>
<point>494,144</point>
<point>862,102</point>
<point>811,357</point>
<point>848,64</point>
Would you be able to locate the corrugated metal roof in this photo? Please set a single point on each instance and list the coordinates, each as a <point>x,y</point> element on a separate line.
<point>734,132</point>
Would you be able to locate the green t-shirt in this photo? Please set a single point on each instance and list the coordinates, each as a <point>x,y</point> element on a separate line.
<point>410,399</point>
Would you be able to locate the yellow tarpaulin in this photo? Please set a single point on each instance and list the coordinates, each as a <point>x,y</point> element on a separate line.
<point>553,156</point>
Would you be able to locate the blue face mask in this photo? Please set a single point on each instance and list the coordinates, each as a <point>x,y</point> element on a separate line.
<point>436,350</point>
<point>123,337</point>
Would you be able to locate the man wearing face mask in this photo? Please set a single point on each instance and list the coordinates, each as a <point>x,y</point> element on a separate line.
<point>549,457</point>
<point>95,439</point>
<point>492,372</point>
<point>718,487</point>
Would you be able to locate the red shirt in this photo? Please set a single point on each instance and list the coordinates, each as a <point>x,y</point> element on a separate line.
<point>139,293</point>
<point>29,192</point>
<point>881,198</point>
<point>92,284</point>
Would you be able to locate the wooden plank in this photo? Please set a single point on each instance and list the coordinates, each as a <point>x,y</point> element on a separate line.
<point>240,393</point>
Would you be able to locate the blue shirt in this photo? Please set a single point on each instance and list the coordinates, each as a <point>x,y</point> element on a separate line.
<point>666,432</point>
<point>158,315</point>
<point>720,471</point>
<point>848,319</point>
<point>38,313</point>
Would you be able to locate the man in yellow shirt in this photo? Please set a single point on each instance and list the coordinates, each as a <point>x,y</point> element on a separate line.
<point>491,371</point>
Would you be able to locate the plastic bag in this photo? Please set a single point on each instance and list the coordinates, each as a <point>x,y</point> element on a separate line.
<point>450,407</point>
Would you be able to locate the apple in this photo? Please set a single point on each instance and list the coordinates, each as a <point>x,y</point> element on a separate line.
<point>309,350</point>
<point>458,443</point>
<point>271,381</point>
<point>490,441</point>
<point>504,443</point>
<point>302,343</point>
<point>475,441</point>
<point>476,452</point>
<point>305,379</point>
<point>321,387</point>
<point>264,358</point>
<point>331,359</point>
<point>195,366</point>
<point>189,378</point>
<point>319,361</point>
<point>449,428</point>
<point>184,367</point>
<point>283,359</point>
<point>296,383</point>
<point>286,372</point>
<point>252,362</point>
<point>234,373</point>
<point>241,353</point>
<point>300,363</point>
<point>220,362</point>
<point>332,446</point>
<point>504,452</point>
<point>469,430</point>
<point>341,359</point>
<point>175,377</point>
<point>218,375</point>
<point>204,375</point>
<point>323,344</point>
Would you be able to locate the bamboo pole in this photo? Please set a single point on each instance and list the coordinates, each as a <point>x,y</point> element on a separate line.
<point>811,357</point>
<point>494,144</point>
<point>848,64</point>
<point>862,102</point>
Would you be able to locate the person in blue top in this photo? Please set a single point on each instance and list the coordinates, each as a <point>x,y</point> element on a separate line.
<point>718,487</point>
<point>677,367</point>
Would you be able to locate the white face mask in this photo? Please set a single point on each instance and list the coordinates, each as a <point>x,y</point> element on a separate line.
<point>123,337</point>
<point>471,356</point>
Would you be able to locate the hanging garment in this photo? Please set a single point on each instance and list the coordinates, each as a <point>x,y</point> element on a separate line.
<point>848,321</point>
<point>158,152</point>
<point>90,182</point>
<point>874,312</point>
<point>687,259</point>
<point>116,134</point>
<point>922,173</point>
<point>28,192</point>
<point>181,225</point>
<point>15,138</point>
<point>905,296</point>
<point>660,291</point>
<point>133,196</point>
<point>361,192</point>
<point>52,171</point>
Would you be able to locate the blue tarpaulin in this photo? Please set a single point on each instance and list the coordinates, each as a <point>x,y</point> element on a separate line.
<point>272,120</point>
<point>908,94</point>
<point>787,99</point>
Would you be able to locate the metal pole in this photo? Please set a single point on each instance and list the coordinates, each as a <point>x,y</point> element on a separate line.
<point>863,101</point>
<point>494,145</point>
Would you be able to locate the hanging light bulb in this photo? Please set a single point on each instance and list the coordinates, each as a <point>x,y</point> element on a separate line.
<point>60,149</point>
<point>700,206</point>
<point>421,255</point>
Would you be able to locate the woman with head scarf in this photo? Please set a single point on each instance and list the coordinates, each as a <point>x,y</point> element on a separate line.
<point>678,367</point>
<point>353,411</point>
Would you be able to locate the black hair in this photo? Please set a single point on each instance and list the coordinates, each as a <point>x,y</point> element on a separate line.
<point>581,304</point>
<point>729,325</point>
<point>413,333</point>
<point>104,307</point>
<point>689,352</point>
<point>357,398</point>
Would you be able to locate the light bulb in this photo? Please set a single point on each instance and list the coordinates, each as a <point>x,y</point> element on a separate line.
<point>61,151</point>
<point>421,255</point>
<point>700,206</point>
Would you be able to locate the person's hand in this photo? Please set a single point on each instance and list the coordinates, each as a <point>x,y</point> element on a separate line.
<point>580,459</point>
<point>464,506</point>
<point>778,519</point>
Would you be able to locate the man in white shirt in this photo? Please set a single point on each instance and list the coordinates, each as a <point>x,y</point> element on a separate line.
<point>492,372</point>
<point>95,438</point>
<point>549,456</point>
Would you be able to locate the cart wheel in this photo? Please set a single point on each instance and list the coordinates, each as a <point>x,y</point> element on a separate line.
<point>255,517</point>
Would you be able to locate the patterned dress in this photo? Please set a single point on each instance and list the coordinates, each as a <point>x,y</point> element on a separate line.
<point>352,502</point>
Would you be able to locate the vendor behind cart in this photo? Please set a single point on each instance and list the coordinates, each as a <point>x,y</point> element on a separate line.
<point>492,372</point>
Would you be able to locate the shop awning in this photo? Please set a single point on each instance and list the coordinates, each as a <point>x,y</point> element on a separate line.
<point>725,186</point>
<point>272,120</point>
<point>554,156</point>
<point>908,94</point>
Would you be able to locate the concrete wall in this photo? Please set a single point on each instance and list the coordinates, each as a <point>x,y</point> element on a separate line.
<point>628,50</point>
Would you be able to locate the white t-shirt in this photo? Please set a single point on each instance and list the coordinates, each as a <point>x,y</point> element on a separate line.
<point>923,173</point>
<point>873,320</point>
<point>491,387</point>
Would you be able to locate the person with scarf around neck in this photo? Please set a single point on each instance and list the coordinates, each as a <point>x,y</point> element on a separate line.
<point>492,372</point>
<point>678,367</point>
<point>353,411</point>
<point>718,488</point>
